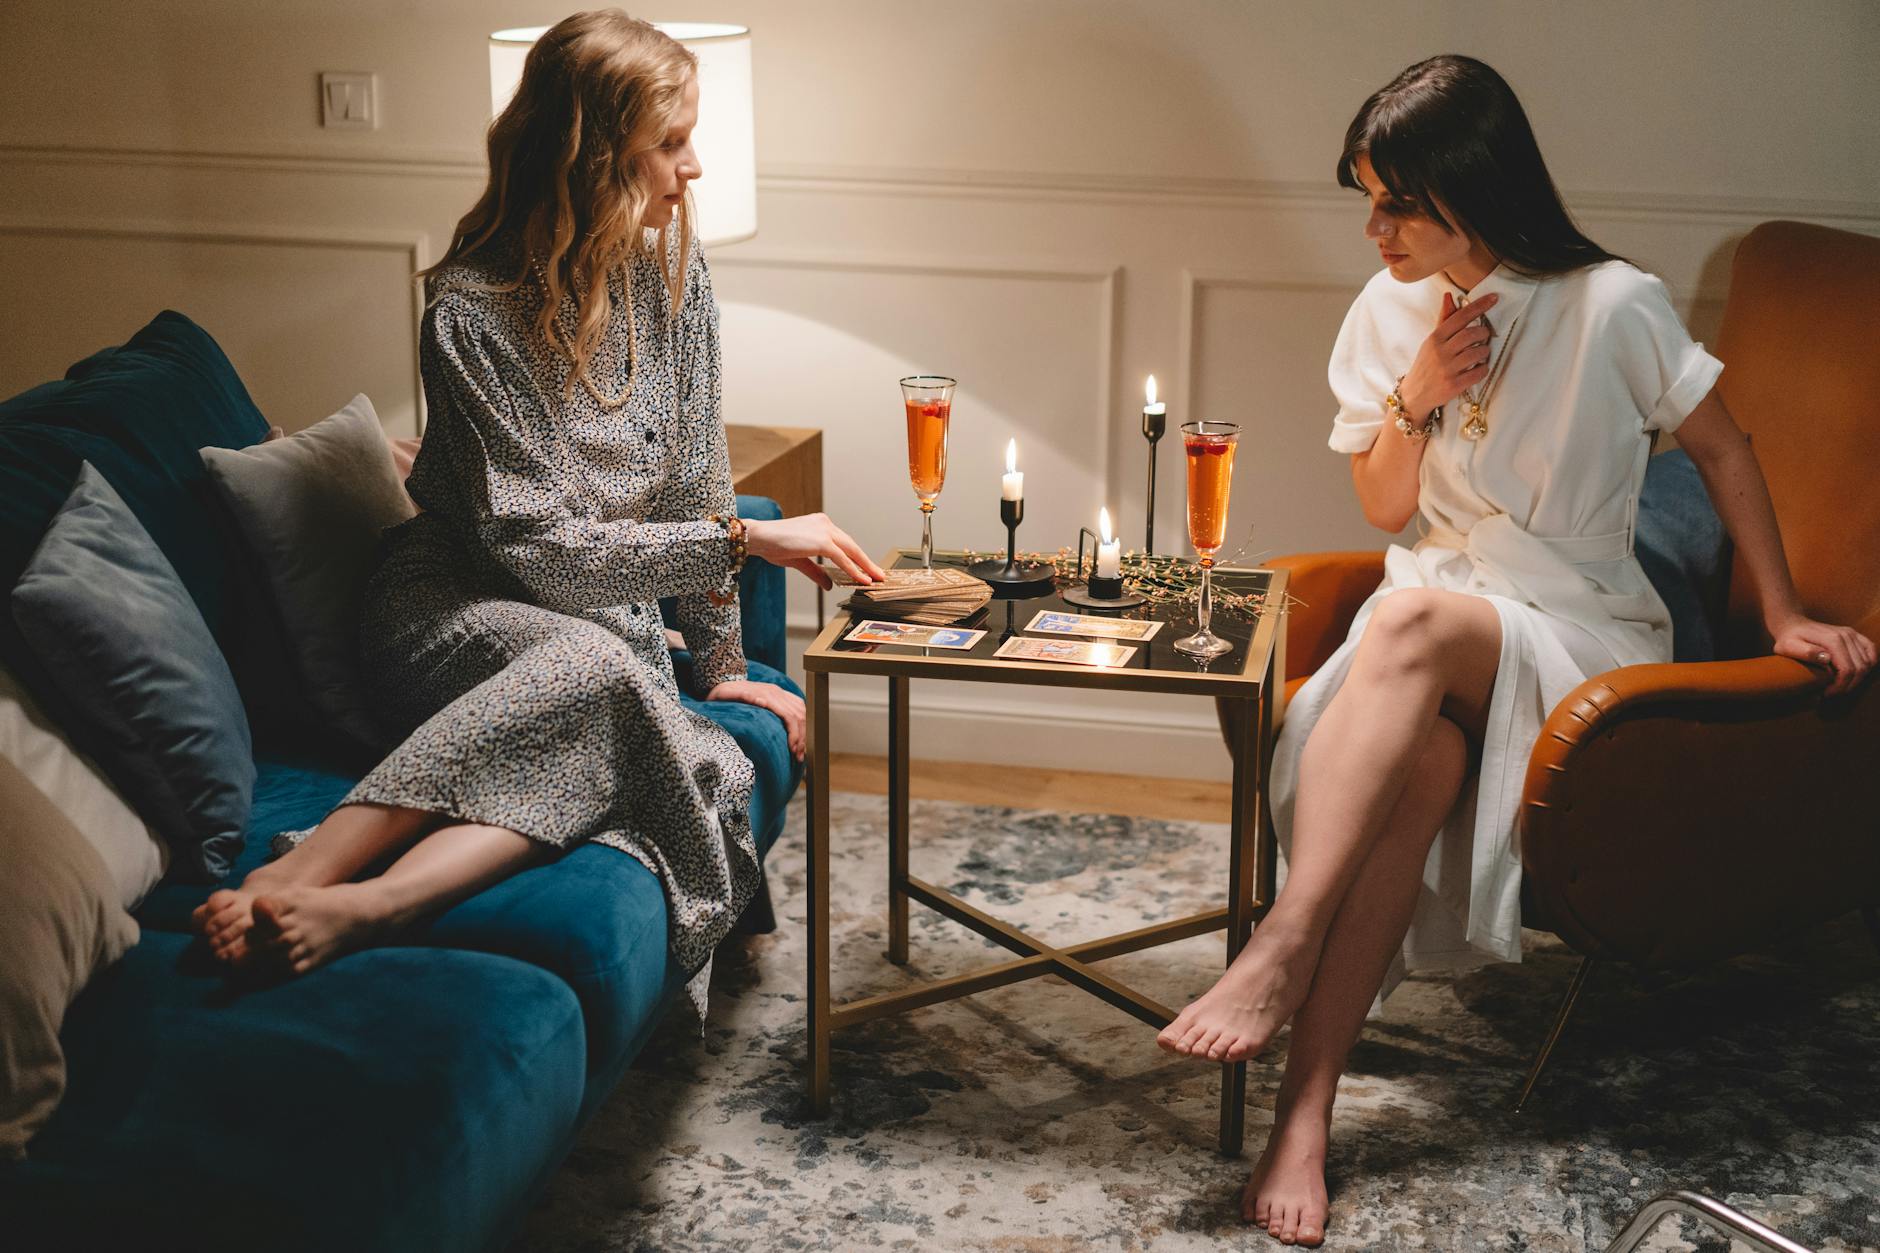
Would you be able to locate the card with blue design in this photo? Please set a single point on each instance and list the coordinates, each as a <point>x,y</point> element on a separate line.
<point>1047,623</point>
<point>914,635</point>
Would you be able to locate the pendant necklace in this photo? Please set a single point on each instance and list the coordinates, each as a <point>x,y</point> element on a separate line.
<point>1475,399</point>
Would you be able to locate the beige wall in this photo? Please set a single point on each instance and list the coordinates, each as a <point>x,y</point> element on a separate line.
<point>1049,198</point>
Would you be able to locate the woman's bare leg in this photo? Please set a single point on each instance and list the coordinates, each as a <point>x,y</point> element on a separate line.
<point>1286,1191</point>
<point>350,838</point>
<point>1424,654</point>
<point>297,928</point>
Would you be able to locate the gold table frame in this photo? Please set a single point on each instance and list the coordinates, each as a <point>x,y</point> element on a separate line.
<point>1257,689</point>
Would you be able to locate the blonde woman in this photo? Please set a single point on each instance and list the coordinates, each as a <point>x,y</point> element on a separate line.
<point>573,473</point>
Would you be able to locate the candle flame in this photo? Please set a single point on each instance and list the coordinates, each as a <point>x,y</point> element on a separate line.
<point>1149,391</point>
<point>1011,456</point>
<point>1103,523</point>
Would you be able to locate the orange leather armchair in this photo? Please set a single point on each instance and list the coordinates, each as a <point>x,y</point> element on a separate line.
<point>1682,813</point>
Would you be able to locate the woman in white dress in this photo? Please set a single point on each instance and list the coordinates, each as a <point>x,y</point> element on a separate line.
<point>1503,376</point>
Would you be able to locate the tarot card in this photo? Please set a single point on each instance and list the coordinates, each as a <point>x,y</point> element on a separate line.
<point>1069,652</point>
<point>913,635</point>
<point>1101,628</point>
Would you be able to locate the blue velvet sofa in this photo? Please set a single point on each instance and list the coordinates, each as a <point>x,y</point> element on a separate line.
<point>403,1098</point>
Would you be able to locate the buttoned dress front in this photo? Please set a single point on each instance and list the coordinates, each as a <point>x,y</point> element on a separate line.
<point>1537,517</point>
<point>512,632</point>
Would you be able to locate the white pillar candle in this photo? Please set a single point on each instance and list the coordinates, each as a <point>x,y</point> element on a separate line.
<point>1013,485</point>
<point>1151,407</point>
<point>1109,551</point>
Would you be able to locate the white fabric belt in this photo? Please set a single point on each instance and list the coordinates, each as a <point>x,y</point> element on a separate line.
<point>1575,550</point>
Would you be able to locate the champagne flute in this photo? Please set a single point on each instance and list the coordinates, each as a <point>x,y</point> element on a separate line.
<point>1209,449</point>
<point>928,399</point>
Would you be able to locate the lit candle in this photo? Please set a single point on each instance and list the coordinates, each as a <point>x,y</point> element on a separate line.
<point>1109,551</point>
<point>1151,407</point>
<point>1014,482</point>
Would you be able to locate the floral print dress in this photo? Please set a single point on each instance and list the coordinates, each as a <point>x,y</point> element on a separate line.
<point>512,631</point>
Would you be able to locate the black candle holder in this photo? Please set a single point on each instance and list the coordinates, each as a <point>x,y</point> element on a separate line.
<point>1153,426</point>
<point>1097,591</point>
<point>1008,579</point>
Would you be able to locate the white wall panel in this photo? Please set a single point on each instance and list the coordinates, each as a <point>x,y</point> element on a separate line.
<point>1049,200</point>
<point>308,318</point>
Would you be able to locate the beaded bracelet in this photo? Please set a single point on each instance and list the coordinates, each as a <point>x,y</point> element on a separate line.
<point>735,532</point>
<point>1393,408</point>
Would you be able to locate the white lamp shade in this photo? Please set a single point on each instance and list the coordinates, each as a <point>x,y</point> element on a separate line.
<point>725,139</point>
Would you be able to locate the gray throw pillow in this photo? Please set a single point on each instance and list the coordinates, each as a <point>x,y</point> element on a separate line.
<point>118,636</point>
<point>1685,552</point>
<point>311,508</point>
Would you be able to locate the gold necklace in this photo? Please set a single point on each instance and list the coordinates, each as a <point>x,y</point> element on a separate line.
<point>1475,399</point>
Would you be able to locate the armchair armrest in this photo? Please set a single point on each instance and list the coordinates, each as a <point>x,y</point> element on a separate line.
<point>1676,814</point>
<point>1327,589</point>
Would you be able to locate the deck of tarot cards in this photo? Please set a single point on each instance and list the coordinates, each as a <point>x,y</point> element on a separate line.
<point>932,599</point>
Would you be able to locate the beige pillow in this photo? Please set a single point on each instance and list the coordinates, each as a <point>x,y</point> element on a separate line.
<point>311,509</point>
<point>31,741</point>
<point>60,923</point>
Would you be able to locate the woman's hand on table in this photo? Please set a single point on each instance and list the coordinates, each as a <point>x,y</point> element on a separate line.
<point>797,542</point>
<point>786,704</point>
<point>1844,652</point>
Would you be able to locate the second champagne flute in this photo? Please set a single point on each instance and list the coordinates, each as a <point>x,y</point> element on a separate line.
<point>1209,454</point>
<point>928,399</point>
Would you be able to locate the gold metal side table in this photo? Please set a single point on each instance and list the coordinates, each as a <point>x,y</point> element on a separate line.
<point>1252,675</point>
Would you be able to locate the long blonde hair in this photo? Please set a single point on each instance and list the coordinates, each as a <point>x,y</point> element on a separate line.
<point>598,90</point>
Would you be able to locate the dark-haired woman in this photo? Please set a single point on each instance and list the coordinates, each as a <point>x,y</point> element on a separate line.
<point>574,473</point>
<point>1504,377</point>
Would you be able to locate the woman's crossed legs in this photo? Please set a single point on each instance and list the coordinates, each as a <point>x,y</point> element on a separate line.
<point>1379,774</point>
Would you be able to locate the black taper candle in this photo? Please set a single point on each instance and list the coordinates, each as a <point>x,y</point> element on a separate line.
<point>1154,423</point>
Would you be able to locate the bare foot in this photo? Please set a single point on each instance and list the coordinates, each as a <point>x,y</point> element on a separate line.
<point>225,919</point>
<point>299,928</point>
<point>1286,1191</point>
<point>1234,1019</point>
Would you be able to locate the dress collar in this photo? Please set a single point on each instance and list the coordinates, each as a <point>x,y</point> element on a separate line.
<point>1514,288</point>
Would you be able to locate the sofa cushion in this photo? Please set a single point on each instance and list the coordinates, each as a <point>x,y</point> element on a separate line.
<point>131,659</point>
<point>596,917</point>
<point>290,794</point>
<point>311,508</point>
<point>1685,552</point>
<point>60,921</point>
<point>139,413</point>
<point>398,1099</point>
<point>29,740</point>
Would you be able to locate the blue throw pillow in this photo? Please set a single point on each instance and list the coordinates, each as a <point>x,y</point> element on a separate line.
<point>117,635</point>
<point>1681,543</point>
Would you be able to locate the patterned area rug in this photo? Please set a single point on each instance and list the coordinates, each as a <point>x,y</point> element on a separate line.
<point>1036,1118</point>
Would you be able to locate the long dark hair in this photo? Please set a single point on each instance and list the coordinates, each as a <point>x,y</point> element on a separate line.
<point>1448,139</point>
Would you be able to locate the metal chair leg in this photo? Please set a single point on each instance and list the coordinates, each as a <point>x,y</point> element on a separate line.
<point>1733,1223</point>
<point>1553,1036</point>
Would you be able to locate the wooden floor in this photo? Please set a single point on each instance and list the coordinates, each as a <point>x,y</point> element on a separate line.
<point>1063,791</point>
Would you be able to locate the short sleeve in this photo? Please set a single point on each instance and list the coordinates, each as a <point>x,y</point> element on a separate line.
<point>1666,372</point>
<point>1360,377</point>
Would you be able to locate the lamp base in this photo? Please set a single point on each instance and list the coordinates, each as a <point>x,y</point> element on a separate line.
<point>1011,581</point>
<point>1082,596</point>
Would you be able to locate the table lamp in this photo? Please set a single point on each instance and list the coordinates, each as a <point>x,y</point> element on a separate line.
<point>725,139</point>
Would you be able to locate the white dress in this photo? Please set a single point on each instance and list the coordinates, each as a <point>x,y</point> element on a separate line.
<point>1538,518</point>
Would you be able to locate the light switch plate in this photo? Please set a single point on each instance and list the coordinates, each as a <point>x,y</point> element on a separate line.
<point>349,101</point>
